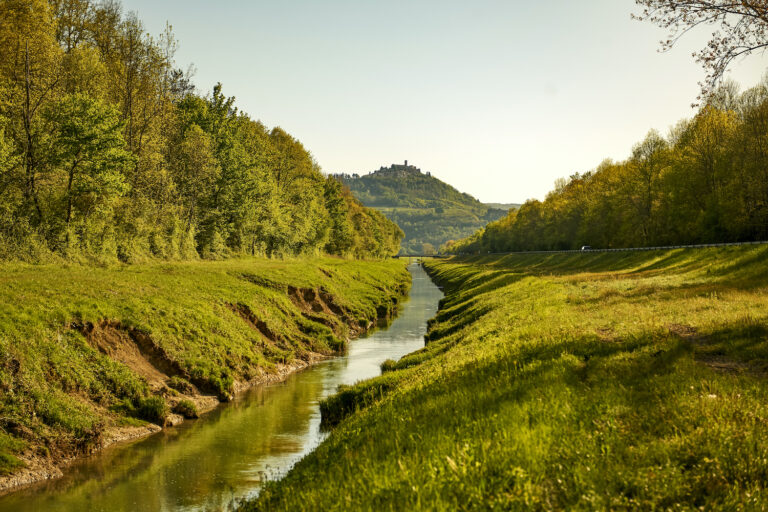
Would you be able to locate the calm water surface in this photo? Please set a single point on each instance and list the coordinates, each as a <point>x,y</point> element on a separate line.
<point>208,463</point>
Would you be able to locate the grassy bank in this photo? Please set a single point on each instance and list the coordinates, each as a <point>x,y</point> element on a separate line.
<point>86,352</point>
<point>583,381</point>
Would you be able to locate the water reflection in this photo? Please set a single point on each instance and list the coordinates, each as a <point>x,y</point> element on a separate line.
<point>206,464</point>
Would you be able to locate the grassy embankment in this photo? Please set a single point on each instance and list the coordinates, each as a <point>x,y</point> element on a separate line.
<point>583,381</point>
<point>86,351</point>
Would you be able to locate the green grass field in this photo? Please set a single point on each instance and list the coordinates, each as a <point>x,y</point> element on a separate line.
<point>576,382</point>
<point>84,349</point>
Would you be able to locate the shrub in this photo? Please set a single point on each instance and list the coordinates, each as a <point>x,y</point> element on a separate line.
<point>223,386</point>
<point>186,408</point>
<point>152,408</point>
<point>181,385</point>
<point>8,446</point>
<point>388,365</point>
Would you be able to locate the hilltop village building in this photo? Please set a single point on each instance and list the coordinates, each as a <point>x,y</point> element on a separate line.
<point>394,170</point>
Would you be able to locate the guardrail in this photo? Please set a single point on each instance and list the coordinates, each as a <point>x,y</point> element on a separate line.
<point>625,249</point>
<point>424,255</point>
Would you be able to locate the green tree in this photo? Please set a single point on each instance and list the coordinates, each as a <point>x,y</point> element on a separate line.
<point>30,63</point>
<point>337,199</point>
<point>87,146</point>
<point>300,189</point>
<point>7,159</point>
<point>107,152</point>
<point>197,172</point>
<point>648,161</point>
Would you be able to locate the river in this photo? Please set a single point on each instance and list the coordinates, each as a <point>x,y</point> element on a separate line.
<point>207,464</point>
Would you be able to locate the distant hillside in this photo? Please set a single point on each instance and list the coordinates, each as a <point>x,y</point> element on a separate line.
<point>503,206</point>
<point>426,209</point>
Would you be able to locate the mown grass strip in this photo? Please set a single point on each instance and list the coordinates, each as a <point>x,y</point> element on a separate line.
<point>584,381</point>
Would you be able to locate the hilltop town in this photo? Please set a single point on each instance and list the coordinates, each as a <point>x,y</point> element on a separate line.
<point>429,211</point>
<point>394,170</point>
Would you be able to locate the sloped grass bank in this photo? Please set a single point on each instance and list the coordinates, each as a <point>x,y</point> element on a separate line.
<point>90,354</point>
<point>571,382</point>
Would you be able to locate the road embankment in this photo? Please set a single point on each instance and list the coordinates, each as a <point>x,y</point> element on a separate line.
<point>559,382</point>
<point>92,356</point>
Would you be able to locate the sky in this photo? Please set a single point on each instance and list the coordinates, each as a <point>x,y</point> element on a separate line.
<point>496,97</point>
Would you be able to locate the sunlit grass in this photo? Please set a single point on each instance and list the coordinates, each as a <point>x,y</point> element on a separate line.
<point>58,393</point>
<point>582,381</point>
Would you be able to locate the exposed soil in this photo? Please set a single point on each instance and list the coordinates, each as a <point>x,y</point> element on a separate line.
<point>133,348</point>
<point>686,332</point>
<point>714,361</point>
<point>252,320</point>
<point>606,334</point>
<point>38,468</point>
<point>320,306</point>
<point>138,351</point>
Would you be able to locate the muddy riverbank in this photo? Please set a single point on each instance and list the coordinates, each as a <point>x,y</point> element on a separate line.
<point>225,455</point>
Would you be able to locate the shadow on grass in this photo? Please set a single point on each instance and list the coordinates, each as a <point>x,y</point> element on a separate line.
<point>739,347</point>
<point>454,323</point>
<point>660,293</point>
<point>587,361</point>
<point>743,265</point>
<point>478,284</point>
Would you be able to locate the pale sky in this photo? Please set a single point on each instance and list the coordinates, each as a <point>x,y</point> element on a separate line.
<point>496,97</point>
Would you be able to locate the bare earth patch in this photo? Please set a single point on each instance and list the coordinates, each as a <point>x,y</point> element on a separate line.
<point>716,362</point>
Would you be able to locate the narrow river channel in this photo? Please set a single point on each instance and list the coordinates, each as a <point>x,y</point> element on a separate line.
<point>207,464</point>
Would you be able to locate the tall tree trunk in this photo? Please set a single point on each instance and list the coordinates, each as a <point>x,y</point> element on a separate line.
<point>68,218</point>
<point>29,157</point>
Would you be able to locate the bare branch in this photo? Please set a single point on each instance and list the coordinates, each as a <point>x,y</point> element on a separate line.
<point>741,29</point>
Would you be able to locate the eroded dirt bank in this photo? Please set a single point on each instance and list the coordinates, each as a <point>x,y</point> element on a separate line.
<point>138,376</point>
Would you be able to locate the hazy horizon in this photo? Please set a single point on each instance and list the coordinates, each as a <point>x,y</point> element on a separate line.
<point>496,98</point>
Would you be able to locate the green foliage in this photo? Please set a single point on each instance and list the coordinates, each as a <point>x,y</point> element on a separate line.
<point>58,410</point>
<point>186,408</point>
<point>181,385</point>
<point>86,144</point>
<point>8,446</point>
<point>107,153</point>
<point>704,183</point>
<point>7,160</point>
<point>388,365</point>
<point>426,209</point>
<point>596,381</point>
<point>337,202</point>
<point>152,408</point>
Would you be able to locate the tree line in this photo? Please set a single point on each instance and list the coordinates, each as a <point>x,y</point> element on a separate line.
<point>108,152</point>
<point>705,182</point>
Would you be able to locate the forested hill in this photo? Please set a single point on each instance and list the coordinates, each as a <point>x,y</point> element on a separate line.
<point>109,152</point>
<point>429,211</point>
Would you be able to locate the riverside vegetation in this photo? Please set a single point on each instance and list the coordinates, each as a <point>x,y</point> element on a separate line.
<point>564,381</point>
<point>108,152</point>
<point>89,355</point>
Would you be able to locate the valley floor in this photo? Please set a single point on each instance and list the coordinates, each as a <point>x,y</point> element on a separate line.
<point>90,356</point>
<point>578,381</point>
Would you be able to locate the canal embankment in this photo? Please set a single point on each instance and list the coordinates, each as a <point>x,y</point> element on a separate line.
<point>92,356</point>
<point>560,382</point>
<point>227,455</point>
